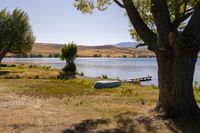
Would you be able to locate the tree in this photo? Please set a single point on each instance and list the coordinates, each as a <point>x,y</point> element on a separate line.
<point>69,53</point>
<point>16,35</point>
<point>171,29</point>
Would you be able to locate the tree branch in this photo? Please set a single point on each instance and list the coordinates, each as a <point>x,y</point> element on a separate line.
<point>193,26</point>
<point>191,33</point>
<point>119,3</point>
<point>150,47</point>
<point>139,25</point>
<point>181,19</point>
<point>162,20</point>
<point>141,45</point>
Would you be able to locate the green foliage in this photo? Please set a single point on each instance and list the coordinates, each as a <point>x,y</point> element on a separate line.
<point>16,35</point>
<point>87,6</point>
<point>196,86</point>
<point>176,8</point>
<point>68,53</point>
<point>70,68</point>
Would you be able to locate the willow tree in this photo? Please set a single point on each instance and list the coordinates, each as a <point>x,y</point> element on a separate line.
<point>16,35</point>
<point>171,29</point>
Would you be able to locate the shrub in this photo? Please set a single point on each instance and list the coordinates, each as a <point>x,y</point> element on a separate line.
<point>124,56</point>
<point>104,76</point>
<point>69,53</point>
<point>56,55</point>
<point>12,65</point>
<point>108,56</point>
<point>97,55</point>
<point>70,69</point>
<point>36,77</point>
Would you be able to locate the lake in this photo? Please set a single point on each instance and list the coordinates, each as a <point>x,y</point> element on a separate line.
<point>123,68</point>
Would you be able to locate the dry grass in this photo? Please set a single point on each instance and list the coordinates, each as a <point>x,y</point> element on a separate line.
<point>68,106</point>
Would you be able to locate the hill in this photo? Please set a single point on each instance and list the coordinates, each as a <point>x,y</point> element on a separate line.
<point>126,44</point>
<point>47,49</point>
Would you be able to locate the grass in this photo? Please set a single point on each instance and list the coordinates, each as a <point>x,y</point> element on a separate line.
<point>75,103</point>
<point>28,71</point>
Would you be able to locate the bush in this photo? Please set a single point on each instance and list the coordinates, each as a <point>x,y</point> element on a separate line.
<point>36,77</point>
<point>12,65</point>
<point>70,69</point>
<point>97,55</point>
<point>104,76</point>
<point>124,56</point>
<point>50,55</point>
<point>56,55</point>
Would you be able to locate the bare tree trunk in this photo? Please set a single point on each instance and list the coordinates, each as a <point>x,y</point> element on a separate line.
<point>175,81</point>
<point>2,55</point>
<point>4,52</point>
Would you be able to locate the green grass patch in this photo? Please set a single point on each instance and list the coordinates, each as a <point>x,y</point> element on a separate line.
<point>50,87</point>
<point>12,69</point>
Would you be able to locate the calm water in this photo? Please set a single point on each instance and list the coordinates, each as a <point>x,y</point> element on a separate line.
<point>123,68</point>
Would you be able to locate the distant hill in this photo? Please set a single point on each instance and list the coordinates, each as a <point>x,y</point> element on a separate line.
<point>47,49</point>
<point>126,44</point>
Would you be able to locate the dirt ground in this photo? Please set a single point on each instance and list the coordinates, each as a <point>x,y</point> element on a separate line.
<point>24,114</point>
<point>83,114</point>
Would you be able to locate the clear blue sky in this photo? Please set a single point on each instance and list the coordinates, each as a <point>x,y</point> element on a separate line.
<point>57,21</point>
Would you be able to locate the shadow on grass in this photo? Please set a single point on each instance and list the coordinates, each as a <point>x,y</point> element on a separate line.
<point>124,125</point>
<point>2,72</point>
<point>131,123</point>
<point>184,125</point>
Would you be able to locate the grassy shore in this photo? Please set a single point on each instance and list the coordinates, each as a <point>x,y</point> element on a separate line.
<point>35,101</point>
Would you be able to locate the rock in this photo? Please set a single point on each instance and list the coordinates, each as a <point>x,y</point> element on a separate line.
<point>107,84</point>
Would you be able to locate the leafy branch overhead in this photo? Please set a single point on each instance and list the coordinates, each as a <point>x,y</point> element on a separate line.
<point>142,14</point>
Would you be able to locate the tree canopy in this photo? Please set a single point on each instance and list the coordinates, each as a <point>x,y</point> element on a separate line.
<point>178,11</point>
<point>69,52</point>
<point>16,34</point>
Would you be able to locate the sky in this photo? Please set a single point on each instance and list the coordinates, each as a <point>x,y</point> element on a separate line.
<point>58,21</point>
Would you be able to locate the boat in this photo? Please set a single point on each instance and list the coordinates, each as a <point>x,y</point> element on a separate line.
<point>106,84</point>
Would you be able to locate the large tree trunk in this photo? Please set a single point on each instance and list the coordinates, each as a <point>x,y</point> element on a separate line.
<point>2,55</point>
<point>175,81</point>
<point>4,52</point>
